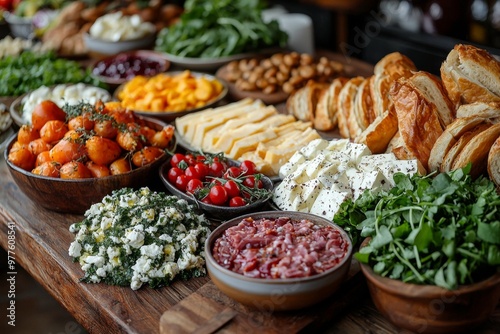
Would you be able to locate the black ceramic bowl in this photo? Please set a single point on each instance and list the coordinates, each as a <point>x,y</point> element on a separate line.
<point>217,212</point>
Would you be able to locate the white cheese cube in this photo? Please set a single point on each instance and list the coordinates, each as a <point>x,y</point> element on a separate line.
<point>337,145</point>
<point>371,162</point>
<point>308,193</point>
<point>356,152</point>
<point>310,150</point>
<point>328,202</point>
<point>285,193</point>
<point>315,165</point>
<point>292,164</point>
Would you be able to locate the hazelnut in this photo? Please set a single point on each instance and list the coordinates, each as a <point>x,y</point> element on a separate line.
<point>269,89</point>
<point>288,87</point>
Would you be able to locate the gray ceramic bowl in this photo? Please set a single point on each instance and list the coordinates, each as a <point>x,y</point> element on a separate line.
<point>277,294</point>
<point>102,47</point>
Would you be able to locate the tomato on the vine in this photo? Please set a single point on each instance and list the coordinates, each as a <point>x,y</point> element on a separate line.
<point>248,167</point>
<point>192,173</point>
<point>176,159</point>
<point>232,188</point>
<point>218,195</point>
<point>251,182</point>
<point>173,173</point>
<point>190,159</point>
<point>232,172</point>
<point>216,169</point>
<point>237,201</point>
<point>202,169</point>
<point>193,185</point>
<point>181,182</point>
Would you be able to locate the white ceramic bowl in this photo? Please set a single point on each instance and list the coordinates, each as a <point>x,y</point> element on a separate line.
<point>104,48</point>
<point>277,294</point>
<point>19,26</point>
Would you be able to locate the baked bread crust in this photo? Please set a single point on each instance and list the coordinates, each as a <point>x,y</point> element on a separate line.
<point>380,132</point>
<point>476,151</point>
<point>326,117</point>
<point>418,121</point>
<point>471,74</point>
<point>494,162</point>
<point>345,104</point>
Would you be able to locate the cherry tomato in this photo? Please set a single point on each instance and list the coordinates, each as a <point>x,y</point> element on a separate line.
<point>206,200</point>
<point>250,182</point>
<point>218,195</point>
<point>248,167</point>
<point>173,173</point>
<point>216,169</point>
<point>191,173</point>
<point>232,172</point>
<point>176,159</point>
<point>200,158</point>
<point>193,185</point>
<point>237,201</point>
<point>181,182</point>
<point>202,169</point>
<point>232,188</point>
<point>190,159</point>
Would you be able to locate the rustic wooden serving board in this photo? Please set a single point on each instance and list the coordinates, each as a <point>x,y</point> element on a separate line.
<point>208,310</point>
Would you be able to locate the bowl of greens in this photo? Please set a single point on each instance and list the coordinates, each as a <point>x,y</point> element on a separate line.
<point>210,34</point>
<point>431,254</point>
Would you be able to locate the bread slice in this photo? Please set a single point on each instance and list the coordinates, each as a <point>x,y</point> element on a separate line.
<point>471,74</point>
<point>494,162</point>
<point>449,137</point>
<point>344,104</point>
<point>432,89</point>
<point>325,118</point>
<point>459,145</point>
<point>302,103</point>
<point>380,132</point>
<point>363,105</point>
<point>479,109</point>
<point>395,65</point>
<point>476,151</point>
<point>418,120</point>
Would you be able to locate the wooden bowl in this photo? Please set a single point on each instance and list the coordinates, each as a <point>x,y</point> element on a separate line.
<point>432,309</point>
<point>76,196</point>
<point>277,294</point>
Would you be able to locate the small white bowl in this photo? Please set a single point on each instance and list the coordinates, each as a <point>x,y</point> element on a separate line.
<point>102,47</point>
<point>277,294</point>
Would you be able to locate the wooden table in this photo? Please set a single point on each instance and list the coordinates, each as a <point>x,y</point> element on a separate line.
<point>42,239</point>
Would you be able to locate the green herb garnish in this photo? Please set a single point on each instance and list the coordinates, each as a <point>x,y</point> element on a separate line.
<point>442,230</point>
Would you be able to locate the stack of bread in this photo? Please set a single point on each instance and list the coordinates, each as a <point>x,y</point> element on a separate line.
<point>444,123</point>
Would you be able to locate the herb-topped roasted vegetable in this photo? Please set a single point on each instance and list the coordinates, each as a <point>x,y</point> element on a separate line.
<point>443,231</point>
<point>217,28</point>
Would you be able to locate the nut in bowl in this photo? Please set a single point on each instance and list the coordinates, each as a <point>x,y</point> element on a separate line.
<point>171,94</point>
<point>71,173</point>
<point>221,188</point>
<point>278,281</point>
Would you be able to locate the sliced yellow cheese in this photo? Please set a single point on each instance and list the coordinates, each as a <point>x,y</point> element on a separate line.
<point>250,116</point>
<point>183,122</point>
<point>186,125</point>
<point>250,143</point>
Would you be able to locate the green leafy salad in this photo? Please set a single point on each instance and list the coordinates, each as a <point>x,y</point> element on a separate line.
<point>442,230</point>
<point>31,70</point>
<point>134,237</point>
<point>218,28</point>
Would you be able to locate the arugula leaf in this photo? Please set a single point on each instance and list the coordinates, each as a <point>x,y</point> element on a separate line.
<point>442,230</point>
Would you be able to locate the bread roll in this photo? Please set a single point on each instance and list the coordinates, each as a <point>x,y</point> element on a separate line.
<point>455,149</point>
<point>471,74</point>
<point>344,105</point>
<point>479,109</point>
<point>476,151</point>
<point>380,132</point>
<point>326,110</point>
<point>448,138</point>
<point>431,87</point>
<point>302,103</point>
<point>494,162</point>
<point>418,120</point>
